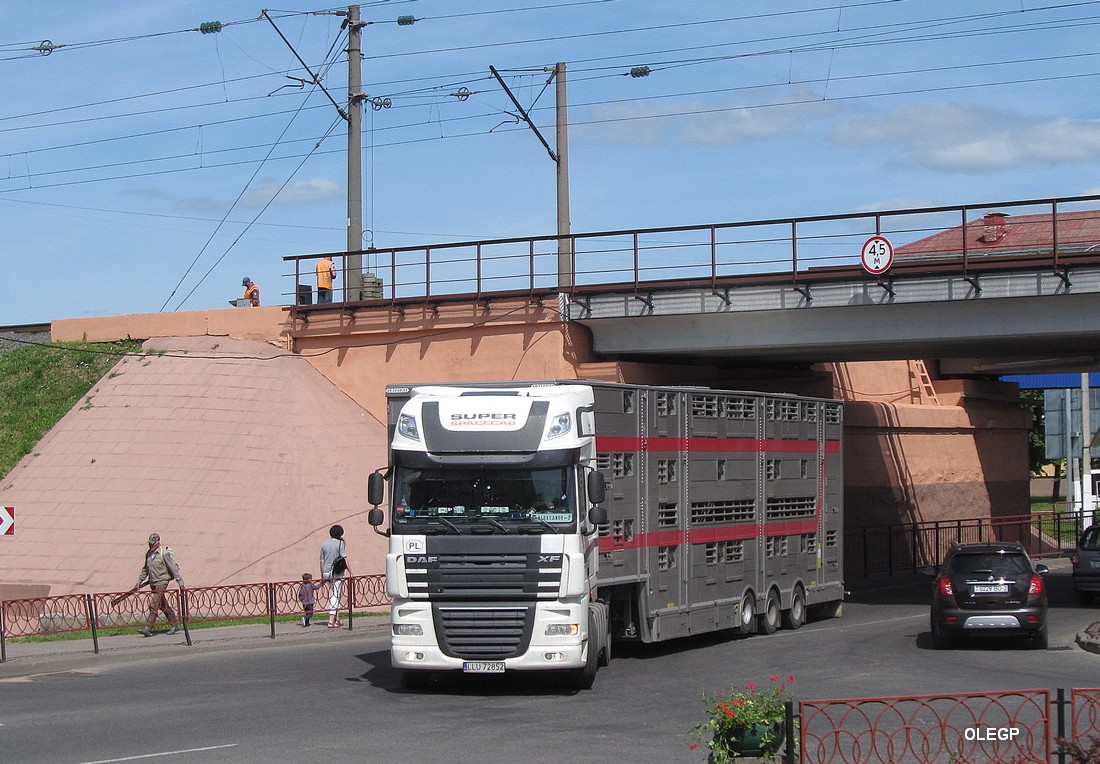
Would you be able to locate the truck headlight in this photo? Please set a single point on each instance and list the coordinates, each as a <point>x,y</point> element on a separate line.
<point>406,427</point>
<point>407,630</point>
<point>559,425</point>
<point>563,630</point>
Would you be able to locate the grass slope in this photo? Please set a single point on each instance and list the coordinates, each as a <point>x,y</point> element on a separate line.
<point>40,383</point>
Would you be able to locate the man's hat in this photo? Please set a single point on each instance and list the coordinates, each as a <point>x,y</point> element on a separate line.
<point>154,538</point>
<point>245,280</point>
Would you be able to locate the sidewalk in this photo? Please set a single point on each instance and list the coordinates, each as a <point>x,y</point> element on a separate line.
<point>26,659</point>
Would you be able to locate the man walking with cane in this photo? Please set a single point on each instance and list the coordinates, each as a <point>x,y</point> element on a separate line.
<point>159,569</point>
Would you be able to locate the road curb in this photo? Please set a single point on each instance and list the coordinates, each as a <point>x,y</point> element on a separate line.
<point>1089,639</point>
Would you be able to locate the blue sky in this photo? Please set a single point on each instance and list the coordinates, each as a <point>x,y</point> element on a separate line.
<point>144,167</point>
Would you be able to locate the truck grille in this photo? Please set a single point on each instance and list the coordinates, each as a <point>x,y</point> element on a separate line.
<point>484,577</point>
<point>484,633</point>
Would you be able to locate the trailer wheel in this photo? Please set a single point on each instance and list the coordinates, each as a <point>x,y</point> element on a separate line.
<point>584,677</point>
<point>748,614</point>
<point>769,619</point>
<point>796,616</point>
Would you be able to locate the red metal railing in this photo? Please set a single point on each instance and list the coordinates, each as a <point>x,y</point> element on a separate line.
<point>975,728</point>
<point>66,613</point>
<point>1011,727</point>
<point>792,251</point>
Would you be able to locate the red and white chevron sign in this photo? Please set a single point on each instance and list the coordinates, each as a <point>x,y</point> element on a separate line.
<point>7,521</point>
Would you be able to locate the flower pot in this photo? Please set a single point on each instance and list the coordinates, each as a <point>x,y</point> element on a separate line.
<point>754,740</point>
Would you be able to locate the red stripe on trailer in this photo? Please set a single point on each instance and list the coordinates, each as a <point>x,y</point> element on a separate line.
<point>712,445</point>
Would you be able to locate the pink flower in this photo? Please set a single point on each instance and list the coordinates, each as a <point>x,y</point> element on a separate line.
<point>750,686</point>
<point>775,677</point>
<point>693,746</point>
<point>790,678</point>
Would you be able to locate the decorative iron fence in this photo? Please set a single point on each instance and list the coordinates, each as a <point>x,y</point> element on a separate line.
<point>1010,727</point>
<point>908,547</point>
<point>38,616</point>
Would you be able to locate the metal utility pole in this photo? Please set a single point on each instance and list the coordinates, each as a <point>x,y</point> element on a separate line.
<point>1087,504</point>
<point>354,262</point>
<point>565,248</point>
<point>561,157</point>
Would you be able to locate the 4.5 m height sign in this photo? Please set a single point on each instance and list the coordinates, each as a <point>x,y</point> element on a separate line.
<point>7,521</point>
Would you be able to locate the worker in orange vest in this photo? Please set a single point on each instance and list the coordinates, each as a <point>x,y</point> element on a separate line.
<point>251,291</point>
<point>326,272</point>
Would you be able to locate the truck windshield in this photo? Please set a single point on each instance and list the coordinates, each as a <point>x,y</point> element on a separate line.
<point>483,500</point>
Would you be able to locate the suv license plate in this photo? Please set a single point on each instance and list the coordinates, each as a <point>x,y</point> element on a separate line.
<point>483,667</point>
<point>990,588</point>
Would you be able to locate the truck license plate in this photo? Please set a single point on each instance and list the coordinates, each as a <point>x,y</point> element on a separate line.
<point>483,667</point>
<point>991,588</point>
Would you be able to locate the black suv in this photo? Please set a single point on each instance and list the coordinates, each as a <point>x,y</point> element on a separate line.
<point>989,589</point>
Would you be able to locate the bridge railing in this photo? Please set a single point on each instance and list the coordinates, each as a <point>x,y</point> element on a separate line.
<point>793,251</point>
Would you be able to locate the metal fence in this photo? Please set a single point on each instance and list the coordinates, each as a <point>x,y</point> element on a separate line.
<point>1012,727</point>
<point>908,547</point>
<point>93,613</point>
<point>796,251</point>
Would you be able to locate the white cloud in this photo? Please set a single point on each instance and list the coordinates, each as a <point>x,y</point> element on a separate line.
<point>950,136</point>
<point>296,192</point>
<point>692,123</point>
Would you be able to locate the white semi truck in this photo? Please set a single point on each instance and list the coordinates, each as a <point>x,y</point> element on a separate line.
<point>530,522</point>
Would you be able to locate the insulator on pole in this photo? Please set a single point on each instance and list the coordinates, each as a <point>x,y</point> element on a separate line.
<point>210,27</point>
<point>640,71</point>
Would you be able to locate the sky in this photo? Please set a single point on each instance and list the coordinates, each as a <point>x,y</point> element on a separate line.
<point>147,166</point>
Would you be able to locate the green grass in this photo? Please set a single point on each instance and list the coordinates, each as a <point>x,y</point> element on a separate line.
<point>39,384</point>
<point>1065,530</point>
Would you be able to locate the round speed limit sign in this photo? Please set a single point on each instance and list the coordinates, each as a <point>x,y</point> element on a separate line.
<point>877,255</point>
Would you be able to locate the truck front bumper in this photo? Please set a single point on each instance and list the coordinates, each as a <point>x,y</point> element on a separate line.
<point>414,644</point>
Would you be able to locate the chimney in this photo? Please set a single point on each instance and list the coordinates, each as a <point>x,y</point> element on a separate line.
<point>995,227</point>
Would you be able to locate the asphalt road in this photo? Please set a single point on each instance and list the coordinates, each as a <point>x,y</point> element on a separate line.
<point>335,697</point>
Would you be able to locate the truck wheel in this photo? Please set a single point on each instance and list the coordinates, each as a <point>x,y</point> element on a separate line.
<point>583,678</point>
<point>748,614</point>
<point>415,679</point>
<point>940,639</point>
<point>605,653</point>
<point>796,616</point>
<point>769,619</point>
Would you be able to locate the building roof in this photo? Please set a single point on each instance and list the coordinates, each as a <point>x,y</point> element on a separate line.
<point>1000,233</point>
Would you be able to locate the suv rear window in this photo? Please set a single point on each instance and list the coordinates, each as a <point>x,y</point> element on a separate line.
<point>1090,540</point>
<point>999,565</point>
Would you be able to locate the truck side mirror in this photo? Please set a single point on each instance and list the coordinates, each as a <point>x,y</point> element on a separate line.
<point>597,493</point>
<point>376,490</point>
<point>596,490</point>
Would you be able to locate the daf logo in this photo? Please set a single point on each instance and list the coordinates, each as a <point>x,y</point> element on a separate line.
<point>548,558</point>
<point>420,559</point>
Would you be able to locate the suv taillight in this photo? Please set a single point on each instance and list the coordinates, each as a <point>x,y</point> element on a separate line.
<point>1036,586</point>
<point>946,589</point>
